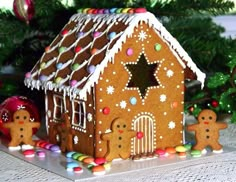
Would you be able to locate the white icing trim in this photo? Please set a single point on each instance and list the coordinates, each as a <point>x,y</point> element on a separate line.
<point>133,21</point>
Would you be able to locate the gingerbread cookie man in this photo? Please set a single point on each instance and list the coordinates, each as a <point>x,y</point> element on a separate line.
<point>21,128</point>
<point>118,140</point>
<point>207,131</point>
<point>65,133</point>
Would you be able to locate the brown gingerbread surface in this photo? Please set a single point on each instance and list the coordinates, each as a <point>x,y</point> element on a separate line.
<point>207,130</point>
<point>21,129</point>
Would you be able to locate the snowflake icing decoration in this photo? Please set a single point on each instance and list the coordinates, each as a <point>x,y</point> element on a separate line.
<point>5,117</point>
<point>162,97</point>
<point>171,125</point>
<point>20,107</point>
<point>142,35</point>
<point>123,104</point>
<point>110,90</point>
<point>169,73</point>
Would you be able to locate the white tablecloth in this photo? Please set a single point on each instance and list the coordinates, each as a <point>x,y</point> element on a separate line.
<point>221,167</point>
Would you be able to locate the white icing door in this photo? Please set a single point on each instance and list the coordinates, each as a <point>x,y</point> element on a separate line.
<point>144,123</point>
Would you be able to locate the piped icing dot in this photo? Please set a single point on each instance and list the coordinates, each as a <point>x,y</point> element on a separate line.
<point>75,66</point>
<point>78,49</point>
<point>129,52</point>
<point>59,66</point>
<point>58,80</point>
<point>91,69</point>
<point>42,65</point>
<point>96,34</point>
<point>73,83</point>
<point>64,32</point>
<point>111,35</point>
<point>28,75</point>
<point>140,10</point>
<point>93,50</point>
<point>157,47</point>
<point>106,110</point>
<point>61,49</point>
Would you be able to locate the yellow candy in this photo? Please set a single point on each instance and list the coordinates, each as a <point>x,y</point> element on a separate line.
<point>81,158</point>
<point>180,149</point>
<point>58,79</point>
<point>107,166</point>
<point>125,10</point>
<point>42,65</point>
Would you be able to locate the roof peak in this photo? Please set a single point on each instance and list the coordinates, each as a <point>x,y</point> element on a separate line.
<point>112,11</point>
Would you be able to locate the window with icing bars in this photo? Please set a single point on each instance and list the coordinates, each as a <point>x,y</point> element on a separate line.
<point>59,107</point>
<point>79,114</point>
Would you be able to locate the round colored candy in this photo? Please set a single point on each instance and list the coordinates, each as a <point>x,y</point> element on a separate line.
<point>182,154</point>
<point>113,10</point>
<point>88,160</point>
<point>40,153</point>
<point>140,10</point>
<point>58,80</point>
<point>59,65</point>
<point>75,156</point>
<point>73,83</point>
<point>42,65</point>
<point>64,32</point>
<point>48,146</point>
<point>71,165</point>
<point>133,100</point>
<point>29,153</point>
<point>99,160</point>
<point>28,75</point>
<point>98,170</point>
<point>43,78</point>
<point>96,34</point>
<point>188,146</point>
<point>55,148</point>
<point>196,153</point>
<point>47,49</point>
<point>91,69</point>
<point>107,166</point>
<point>69,154</point>
<point>80,34</point>
<point>157,47</point>
<point>78,169</point>
<point>180,149</point>
<point>160,152</point>
<point>111,35</point>
<point>75,66</point>
<point>106,110</point>
<point>77,49</point>
<point>93,51</point>
<point>139,135</point>
<point>81,158</point>
<point>170,150</point>
<point>61,49</point>
<point>129,52</point>
<point>43,144</point>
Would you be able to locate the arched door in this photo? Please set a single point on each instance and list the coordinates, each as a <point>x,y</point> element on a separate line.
<point>145,123</point>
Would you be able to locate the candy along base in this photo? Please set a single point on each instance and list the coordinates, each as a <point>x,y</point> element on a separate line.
<point>56,163</point>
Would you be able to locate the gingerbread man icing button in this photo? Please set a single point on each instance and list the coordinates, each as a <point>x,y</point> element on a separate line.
<point>119,140</point>
<point>207,131</point>
<point>21,128</point>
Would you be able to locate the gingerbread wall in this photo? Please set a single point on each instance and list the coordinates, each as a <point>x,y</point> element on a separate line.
<point>158,113</point>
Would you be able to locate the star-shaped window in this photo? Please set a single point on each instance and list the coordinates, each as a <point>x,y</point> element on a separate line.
<point>142,75</point>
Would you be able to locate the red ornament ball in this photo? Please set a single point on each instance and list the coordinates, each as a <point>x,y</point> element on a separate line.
<point>24,9</point>
<point>11,105</point>
<point>139,135</point>
<point>214,103</point>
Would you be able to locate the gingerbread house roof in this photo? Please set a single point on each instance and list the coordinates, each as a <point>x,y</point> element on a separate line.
<point>78,55</point>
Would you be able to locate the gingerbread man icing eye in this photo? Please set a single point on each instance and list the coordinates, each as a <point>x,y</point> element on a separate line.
<point>124,126</point>
<point>203,118</point>
<point>25,117</point>
<point>17,117</point>
<point>118,126</point>
<point>210,117</point>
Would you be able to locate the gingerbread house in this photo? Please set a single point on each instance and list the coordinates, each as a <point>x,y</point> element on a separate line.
<point>109,64</point>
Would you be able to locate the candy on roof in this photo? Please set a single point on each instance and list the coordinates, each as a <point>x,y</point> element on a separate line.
<point>78,55</point>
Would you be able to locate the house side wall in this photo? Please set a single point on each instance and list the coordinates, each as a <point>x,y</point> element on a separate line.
<point>83,138</point>
<point>162,104</point>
